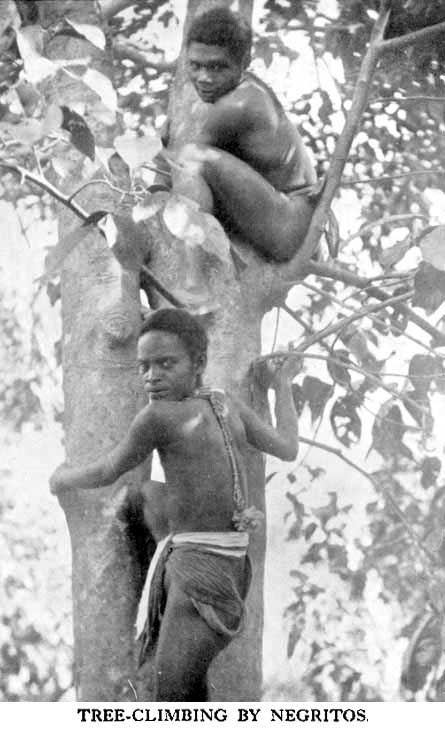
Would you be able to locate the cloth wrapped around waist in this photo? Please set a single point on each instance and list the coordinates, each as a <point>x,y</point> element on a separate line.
<point>206,567</point>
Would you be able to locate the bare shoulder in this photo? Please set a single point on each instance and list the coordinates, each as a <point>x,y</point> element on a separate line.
<point>241,103</point>
<point>159,419</point>
<point>236,406</point>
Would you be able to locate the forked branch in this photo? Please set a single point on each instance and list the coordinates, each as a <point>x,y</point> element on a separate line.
<point>67,200</point>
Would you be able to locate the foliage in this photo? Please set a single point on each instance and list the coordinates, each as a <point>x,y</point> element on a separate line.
<point>358,391</point>
<point>35,632</point>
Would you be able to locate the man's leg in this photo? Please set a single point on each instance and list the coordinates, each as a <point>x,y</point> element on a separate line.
<point>272,223</point>
<point>186,647</point>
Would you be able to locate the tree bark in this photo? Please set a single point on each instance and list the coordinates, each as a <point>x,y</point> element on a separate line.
<point>101,317</point>
<point>100,310</point>
<point>236,675</point>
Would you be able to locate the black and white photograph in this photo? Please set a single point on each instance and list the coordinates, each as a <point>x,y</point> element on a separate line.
<point>222,359</point>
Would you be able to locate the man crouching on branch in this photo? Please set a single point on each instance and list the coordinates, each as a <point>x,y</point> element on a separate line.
<point>200,573</point>
<point>247,164</point>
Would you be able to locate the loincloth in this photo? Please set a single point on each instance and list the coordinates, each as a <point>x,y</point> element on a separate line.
<point>206,567</point>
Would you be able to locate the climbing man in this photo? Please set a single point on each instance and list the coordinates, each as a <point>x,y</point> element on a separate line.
<point>200,573</point>
<point>248,162</point>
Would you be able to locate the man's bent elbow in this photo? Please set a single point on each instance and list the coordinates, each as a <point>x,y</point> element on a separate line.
<point>289,452</point>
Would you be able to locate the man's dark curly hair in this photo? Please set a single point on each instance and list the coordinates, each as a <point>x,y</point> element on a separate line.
<point>181,323</point>
<point>220,27</point>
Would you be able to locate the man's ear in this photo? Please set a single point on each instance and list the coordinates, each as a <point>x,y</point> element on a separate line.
<point>201,363</point>
<point>246,60</point>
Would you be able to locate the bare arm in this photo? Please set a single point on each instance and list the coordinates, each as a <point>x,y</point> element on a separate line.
<point>226,121</point>
<point>282,441</point>
<point>139,442</point>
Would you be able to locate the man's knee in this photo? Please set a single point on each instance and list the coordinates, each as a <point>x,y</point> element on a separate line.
<point>195,155</point>
<point>294,227</point>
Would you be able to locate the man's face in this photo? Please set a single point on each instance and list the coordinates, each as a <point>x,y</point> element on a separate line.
<point>166,366</point>
<point>212,70</point>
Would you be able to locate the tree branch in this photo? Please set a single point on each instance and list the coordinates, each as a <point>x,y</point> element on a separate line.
<point>383,222</point>
<point>419,98</point>
<point>378,488</point>
<point>350,366</point>
<point>83,215</point>
<point>46,186</point>
<point>368,374</point>
<point>122,49</point>
<point>355,280</point>
<point>385,178</point>
<point>98,181</point>
<point>307,328</point>
<point>360,314</point>
<point>346,138</point>
<point>372,317</point>
<point>395,44</point>
<point>341,151</point>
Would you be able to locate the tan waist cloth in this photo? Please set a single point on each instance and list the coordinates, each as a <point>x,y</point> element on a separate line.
<point>228,543</point>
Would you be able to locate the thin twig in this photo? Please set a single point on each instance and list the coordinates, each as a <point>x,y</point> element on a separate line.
<point>349,365</point>
<point>154,281</point>
<point>419,98</point>
<point>385,178</point>
<point>97,181</point>
<point>378,487</point>
<point>372,317</point>
<point>307,328</point>
<point>44,184</point>
<point>383,222</point>
<point>364,372</point>
<point>124,49</point>
<point>83,215</point>
<point>156,170</point>
<point>355,280</point>
<point>395,44</point>
<point>360,314</point>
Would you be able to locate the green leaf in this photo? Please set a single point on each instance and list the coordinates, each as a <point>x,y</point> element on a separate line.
<point>326,512</point>
<point>339,373</point>
<point>81,135</point>
<point>387,432</point>
<point>92,33</point>
<point>422,370</point>
<point>298,397</point>
<point>294,636</point>
<point>429,287</point>
<point>317,394</point>
<point>196,228</point>
<point>422,653</point>
<point>345,421</point>
<point>433,247</point>
<point>430,471</point>
<point>102,86</point>
<point>391,256</point>
<point>332,233</point>
<point>137,150</point>
<point>30,44</point>
<point>421,414</point>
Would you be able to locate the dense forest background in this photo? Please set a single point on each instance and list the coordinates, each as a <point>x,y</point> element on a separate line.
<point>354,578</point>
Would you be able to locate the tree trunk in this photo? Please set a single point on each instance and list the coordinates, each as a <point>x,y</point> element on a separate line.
<point>101,317</point>
<point>100,309</point>
<point>236,675</point>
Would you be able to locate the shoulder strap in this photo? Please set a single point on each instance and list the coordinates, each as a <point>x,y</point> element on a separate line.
<point>244,518</point>
<point>217,401</point>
